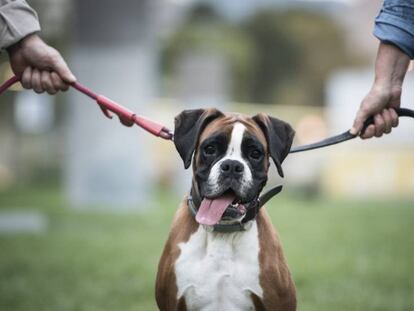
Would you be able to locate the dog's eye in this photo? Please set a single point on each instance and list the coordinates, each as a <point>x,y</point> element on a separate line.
<point>255,154</point>
<point>210,149</point>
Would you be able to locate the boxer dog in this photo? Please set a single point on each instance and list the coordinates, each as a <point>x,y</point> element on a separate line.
<point>223,252</point>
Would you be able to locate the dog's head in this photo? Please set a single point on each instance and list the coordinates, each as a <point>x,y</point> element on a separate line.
<point>230,154</point>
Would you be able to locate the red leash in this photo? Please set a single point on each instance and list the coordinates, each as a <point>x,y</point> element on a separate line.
<point>127,117</point>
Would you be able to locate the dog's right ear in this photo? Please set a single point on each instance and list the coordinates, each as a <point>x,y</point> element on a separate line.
<point>188,126</point>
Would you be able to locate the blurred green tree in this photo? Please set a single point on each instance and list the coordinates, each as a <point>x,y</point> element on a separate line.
<point>206,31</point>
<point>295,52</point>
<point>274,56</point>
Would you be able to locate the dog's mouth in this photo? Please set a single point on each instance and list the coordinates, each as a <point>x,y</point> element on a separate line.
<point>226,207</point>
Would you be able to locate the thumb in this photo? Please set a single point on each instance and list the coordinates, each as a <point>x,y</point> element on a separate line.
<point>358,122</point>
<point>62,69</point>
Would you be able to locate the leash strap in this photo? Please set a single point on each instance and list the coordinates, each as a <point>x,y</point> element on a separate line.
<point>265,197</point>
<point>127,117</point>
<point>401,112</point>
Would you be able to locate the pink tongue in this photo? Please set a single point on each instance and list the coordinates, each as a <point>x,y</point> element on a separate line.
<point>211,211</point>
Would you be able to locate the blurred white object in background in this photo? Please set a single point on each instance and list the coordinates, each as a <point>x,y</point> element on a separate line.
<point>106,163</point>
<point>22,221</point>
<point>209,89</point>
<point>34,113</point>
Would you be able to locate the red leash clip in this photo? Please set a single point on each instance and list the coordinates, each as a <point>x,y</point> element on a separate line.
<point>127,117</point>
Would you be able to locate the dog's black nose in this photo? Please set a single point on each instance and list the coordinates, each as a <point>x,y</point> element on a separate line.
<point>232,167</point>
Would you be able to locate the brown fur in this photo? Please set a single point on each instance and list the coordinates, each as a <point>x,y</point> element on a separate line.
<point>278,288</point>
<point>166,289</point>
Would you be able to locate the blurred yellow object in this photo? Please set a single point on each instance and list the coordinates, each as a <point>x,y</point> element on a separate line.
<point>5,74</point>
<point>6,178</point>
<point>377,173</point>
<point>311,128</point>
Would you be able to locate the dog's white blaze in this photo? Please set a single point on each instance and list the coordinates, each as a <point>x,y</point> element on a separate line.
<point>234,148</point>
<point>219,271</point>
<point>233,152</point>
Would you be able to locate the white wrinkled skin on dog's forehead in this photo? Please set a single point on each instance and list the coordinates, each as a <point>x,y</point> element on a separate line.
<point>234,152</point>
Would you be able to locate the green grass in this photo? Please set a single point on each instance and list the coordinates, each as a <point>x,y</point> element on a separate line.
<point>343,255</point>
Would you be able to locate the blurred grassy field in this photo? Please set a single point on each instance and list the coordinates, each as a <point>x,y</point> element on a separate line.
<point>343,255</point>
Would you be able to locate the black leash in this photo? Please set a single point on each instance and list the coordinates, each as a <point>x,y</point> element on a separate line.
<point>401,112</point>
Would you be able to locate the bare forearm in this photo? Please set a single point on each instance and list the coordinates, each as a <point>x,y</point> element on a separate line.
<point>390,66</point>
<point>385,94</point>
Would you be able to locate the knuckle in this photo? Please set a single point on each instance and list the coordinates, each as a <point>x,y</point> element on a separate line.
<point>379,121</point>
<point>380,124</point>
<point>365,109</point>
<point>44,79</point>
<point>25,81</point>
<point>54,57</point>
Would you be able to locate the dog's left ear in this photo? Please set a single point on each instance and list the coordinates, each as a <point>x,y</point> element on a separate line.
<point>279,136</point>
<point>188,126</point>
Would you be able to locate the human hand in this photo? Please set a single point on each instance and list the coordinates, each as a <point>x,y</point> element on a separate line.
<point>385,95</point>
<point>380,103</point>
<point>41,67</point>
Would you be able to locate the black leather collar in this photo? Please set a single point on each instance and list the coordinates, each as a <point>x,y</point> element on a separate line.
<point>245,224</point>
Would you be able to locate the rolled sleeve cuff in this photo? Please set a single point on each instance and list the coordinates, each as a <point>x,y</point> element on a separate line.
<point>17,20</point>
<point>395,30</point>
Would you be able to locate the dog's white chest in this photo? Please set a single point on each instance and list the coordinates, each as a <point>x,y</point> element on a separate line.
<point>219,271</point>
